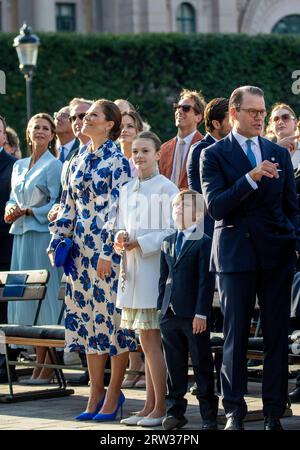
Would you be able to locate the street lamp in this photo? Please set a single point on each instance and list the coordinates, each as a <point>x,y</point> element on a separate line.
<point>27,49</point>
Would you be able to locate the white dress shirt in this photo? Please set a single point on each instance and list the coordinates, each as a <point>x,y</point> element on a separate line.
<point>67,148</point>
<point>256,151</point>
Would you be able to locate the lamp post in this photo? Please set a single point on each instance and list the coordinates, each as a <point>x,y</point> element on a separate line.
<point>27,50</point>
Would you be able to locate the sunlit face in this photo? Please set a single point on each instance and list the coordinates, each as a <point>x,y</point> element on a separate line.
<point>144,154</point>
<point>128,130</point>
<point>61,120</point>
<point>95,123</point>
<point>249,118</point>
<point>2,134</point>
<point>283,123</point>
<point>40,134</point>
<point>187,119</point>
<point>183,212</point>
<point>76,118</point>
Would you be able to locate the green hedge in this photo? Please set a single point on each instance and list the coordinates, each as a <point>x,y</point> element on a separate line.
<point>149,70</point>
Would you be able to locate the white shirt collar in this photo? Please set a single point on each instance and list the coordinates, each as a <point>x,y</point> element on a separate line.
<point>68,145</point>
<point>187,139</point>
<point>188,231</point>
<point>242,139</point>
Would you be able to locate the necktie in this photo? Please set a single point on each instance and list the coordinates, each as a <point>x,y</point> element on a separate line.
<point>62,154</point>
<point>178,244</point>
<point>178,162</point>
<point>250,153</point>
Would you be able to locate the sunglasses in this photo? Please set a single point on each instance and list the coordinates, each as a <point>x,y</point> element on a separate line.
<point>80,116</point>
<point>284,117</point>
<point>185,108</point>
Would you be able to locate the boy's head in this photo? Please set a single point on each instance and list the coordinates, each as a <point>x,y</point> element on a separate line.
<point>188,208</point>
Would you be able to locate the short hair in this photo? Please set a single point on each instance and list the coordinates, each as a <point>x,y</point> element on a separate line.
<point>12,137</point>
<point>280,105</point>
<point>52,127</point>
<point>236,97</point>
<point>111,113</point>
<point>78,101</point>
<point>197,97</point>
<point>149,135</point>
<point>138,122</point>
<point>187,193</point>
<point>216,109</point>
<point>3,122</point>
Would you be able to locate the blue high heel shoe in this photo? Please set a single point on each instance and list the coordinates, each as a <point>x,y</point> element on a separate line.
<point>90,416</point>
<point>106,417</point>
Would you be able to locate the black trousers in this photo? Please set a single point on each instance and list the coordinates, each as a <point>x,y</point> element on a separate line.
<point>237,295</point>
<point>178,341</point>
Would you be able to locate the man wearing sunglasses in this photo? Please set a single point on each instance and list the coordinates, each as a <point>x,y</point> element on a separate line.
<point>174,153</point>
<point>66,141</point>
<point>249,189</point>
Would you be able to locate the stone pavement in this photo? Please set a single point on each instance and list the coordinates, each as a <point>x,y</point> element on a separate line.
<point>59,413</point>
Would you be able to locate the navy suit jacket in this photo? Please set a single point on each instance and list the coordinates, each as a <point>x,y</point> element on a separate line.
<point>253,228</point>
<point>6,166</point>
<point>186,281</point>
<point>193,162</point>
<point>193,174</point>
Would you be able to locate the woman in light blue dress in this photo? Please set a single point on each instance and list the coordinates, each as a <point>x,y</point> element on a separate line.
<point>35,186</point>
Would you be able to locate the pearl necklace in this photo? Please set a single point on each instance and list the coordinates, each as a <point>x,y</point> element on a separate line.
<point>141,180</point>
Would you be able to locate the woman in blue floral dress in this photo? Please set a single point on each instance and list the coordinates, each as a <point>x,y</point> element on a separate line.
<point>87,216</point>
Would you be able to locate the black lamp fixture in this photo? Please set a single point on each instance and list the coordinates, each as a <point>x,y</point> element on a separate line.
<point>26,45</point>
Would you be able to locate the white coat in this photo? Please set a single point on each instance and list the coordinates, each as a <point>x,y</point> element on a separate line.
<point>145,212</point>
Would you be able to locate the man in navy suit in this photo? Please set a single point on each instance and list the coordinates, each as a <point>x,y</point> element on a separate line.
<point>217,126</point>
<point>186,289</point>
<point>249,188</point>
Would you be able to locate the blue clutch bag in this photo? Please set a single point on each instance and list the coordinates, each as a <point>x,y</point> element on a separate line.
<point>63,256</point>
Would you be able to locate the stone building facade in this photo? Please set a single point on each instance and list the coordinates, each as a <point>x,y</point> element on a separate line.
<point>135,16</point>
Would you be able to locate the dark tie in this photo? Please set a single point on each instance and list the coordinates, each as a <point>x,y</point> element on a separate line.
<point>250,153</point>
<point>178,244</point>
<point>62,154</point>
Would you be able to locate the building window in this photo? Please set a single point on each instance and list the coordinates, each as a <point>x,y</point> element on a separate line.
<point>65,17</point>
<point>186,18</point>
<point>288,24</point>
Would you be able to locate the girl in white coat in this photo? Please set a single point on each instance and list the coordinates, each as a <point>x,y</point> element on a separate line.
<point>144,221</point>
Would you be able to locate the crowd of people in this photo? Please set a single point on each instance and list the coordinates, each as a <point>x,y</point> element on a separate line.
<point>143,251</point>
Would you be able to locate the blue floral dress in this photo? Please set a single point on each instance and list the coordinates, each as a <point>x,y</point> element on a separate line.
<point>88,215</point>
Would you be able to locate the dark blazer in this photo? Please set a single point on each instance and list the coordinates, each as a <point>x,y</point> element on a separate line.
<point>193,162</point>
<point>6,166</point>
<point>253,228</point>
<point>67,164</point>
<point>193,175</point>
<point>186,281</point>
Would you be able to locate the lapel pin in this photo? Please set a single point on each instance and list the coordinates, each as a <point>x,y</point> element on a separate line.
<point>272,159</point>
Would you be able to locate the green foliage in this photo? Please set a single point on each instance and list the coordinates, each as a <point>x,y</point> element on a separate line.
<point>149,70</point>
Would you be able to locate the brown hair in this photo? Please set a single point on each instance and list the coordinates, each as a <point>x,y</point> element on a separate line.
<point>236,97</point>
<point>111,113</point>
<point>138,122</point>
<point>216,109</point>
<point>49,119</point>
<point>187,193</point>
<point>197,97</point>
<point>12,137</point>
<point>149,135</point>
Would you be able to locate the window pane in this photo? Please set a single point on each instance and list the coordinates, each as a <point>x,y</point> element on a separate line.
<point>65,17</point>
<point>289,24</point>
<point>186,18</point>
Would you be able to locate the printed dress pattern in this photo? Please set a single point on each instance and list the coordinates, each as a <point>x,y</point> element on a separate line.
<point>87,215</point>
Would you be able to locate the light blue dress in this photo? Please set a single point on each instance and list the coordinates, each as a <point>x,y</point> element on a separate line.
<point>37,189</point>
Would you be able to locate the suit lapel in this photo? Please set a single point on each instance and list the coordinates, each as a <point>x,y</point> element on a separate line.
<point>171,254</point>
<point>234,153</point>
<point>197,137</point>
<point>186,246</point>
